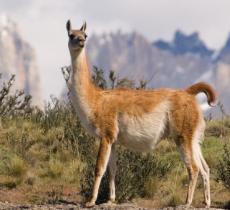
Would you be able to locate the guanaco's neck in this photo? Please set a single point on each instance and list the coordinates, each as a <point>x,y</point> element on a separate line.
<point>83,92</point>
<point>81,78</point>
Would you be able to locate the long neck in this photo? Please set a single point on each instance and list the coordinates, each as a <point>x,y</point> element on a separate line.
<point>81,78</point>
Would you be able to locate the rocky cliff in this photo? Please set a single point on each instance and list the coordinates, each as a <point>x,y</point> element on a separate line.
<point>18,57</point>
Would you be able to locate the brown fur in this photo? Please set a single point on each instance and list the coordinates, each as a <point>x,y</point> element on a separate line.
<point>205,88</point>
<point>101,110</point>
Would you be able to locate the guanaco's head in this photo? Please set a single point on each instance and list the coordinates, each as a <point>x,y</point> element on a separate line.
<point>77,38</point>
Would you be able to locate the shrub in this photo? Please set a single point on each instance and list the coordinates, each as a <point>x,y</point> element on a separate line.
<point>13,166</point>
<point>134,169</point>
<point>12,104</point>
<point>218,127</point>
<point>16,167</point>
<point>13,170</point>
<point>73,172</point>
<point>151,186</point>
<point>55,168</point>
<point>174,200</point>
<point>8,182</point>
<point>223,169</point>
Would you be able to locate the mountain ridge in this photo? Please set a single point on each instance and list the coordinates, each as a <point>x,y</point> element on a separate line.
<point>183,44</point>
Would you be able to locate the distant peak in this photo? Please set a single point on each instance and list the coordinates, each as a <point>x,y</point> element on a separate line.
<point>187,43</point>
<point>228,41</point>
<point>179,34</point>
<point>192,38</point>
<point>225,51</point>
<point>7,22</point>
<point>183,44</point>
<point>226,47</point>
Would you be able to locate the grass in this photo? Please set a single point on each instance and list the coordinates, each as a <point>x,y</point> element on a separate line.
<point>46,157</point>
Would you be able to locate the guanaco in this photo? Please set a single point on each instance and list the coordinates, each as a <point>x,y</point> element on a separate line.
<point>137,119</point>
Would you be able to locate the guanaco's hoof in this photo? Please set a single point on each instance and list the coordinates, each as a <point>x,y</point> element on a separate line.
<point>207,206</point>
<point>110,203</point>
<point>90,204</point>
<point>184,206</point>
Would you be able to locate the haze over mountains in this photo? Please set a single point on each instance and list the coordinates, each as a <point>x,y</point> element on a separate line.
<point>177,64</point>
<point>18,57</point>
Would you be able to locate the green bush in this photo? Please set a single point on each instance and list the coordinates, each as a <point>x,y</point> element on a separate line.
<point>73,172</point>
<point>55,168</point>
<point>13,169</point>
<point>223,169</point>
<point>134,169</point>
<point>218,128</point>
<point>13,103</point>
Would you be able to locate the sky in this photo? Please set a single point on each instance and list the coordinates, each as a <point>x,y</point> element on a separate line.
<point>42,24</point>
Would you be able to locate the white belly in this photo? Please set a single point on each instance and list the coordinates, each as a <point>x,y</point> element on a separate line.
<point>143,133</point>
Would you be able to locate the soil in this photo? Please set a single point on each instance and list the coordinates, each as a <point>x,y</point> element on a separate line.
<point>71,206</point>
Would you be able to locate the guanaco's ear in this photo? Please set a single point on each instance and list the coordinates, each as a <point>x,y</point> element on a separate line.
<point>83,28</point>
<point>68,27</point>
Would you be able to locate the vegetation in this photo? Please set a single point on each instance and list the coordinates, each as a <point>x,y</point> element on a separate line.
<point>224,167</point>
<point>46,157</point>
<point>12,104</point>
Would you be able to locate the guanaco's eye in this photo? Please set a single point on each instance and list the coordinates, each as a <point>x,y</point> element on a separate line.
<point>71,36</point>
<point>85,36</point>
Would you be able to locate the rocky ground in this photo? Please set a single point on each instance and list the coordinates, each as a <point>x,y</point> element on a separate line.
<point>126,206</point>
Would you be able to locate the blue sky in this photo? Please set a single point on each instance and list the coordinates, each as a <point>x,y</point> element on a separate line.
<point>42,23</point>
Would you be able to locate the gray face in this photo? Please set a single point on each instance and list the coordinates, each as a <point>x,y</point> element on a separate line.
<point>77,38</point>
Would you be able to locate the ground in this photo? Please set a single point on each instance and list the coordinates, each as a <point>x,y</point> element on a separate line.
<point>125,206</point>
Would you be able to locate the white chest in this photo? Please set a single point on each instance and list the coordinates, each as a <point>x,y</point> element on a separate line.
<point>83,112</point>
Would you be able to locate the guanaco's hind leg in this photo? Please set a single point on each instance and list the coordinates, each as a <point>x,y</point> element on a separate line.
<point>193,170</point>
<point>194,161</point>
<point>201,163</point>
<point>112,173</point>
<point>205,173</point>
<point>101,165</point>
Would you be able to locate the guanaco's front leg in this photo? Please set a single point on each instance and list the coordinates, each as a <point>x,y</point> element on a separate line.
<point>101,165</point>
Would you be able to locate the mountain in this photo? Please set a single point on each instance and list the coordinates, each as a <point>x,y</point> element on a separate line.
<point>183,44</point>
<point>224,54</point>
<point>18,57</point>
<point>133,56</point>
<point>176,64</point>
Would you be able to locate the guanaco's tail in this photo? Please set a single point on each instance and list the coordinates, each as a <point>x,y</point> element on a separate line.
<point>205,88</point>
